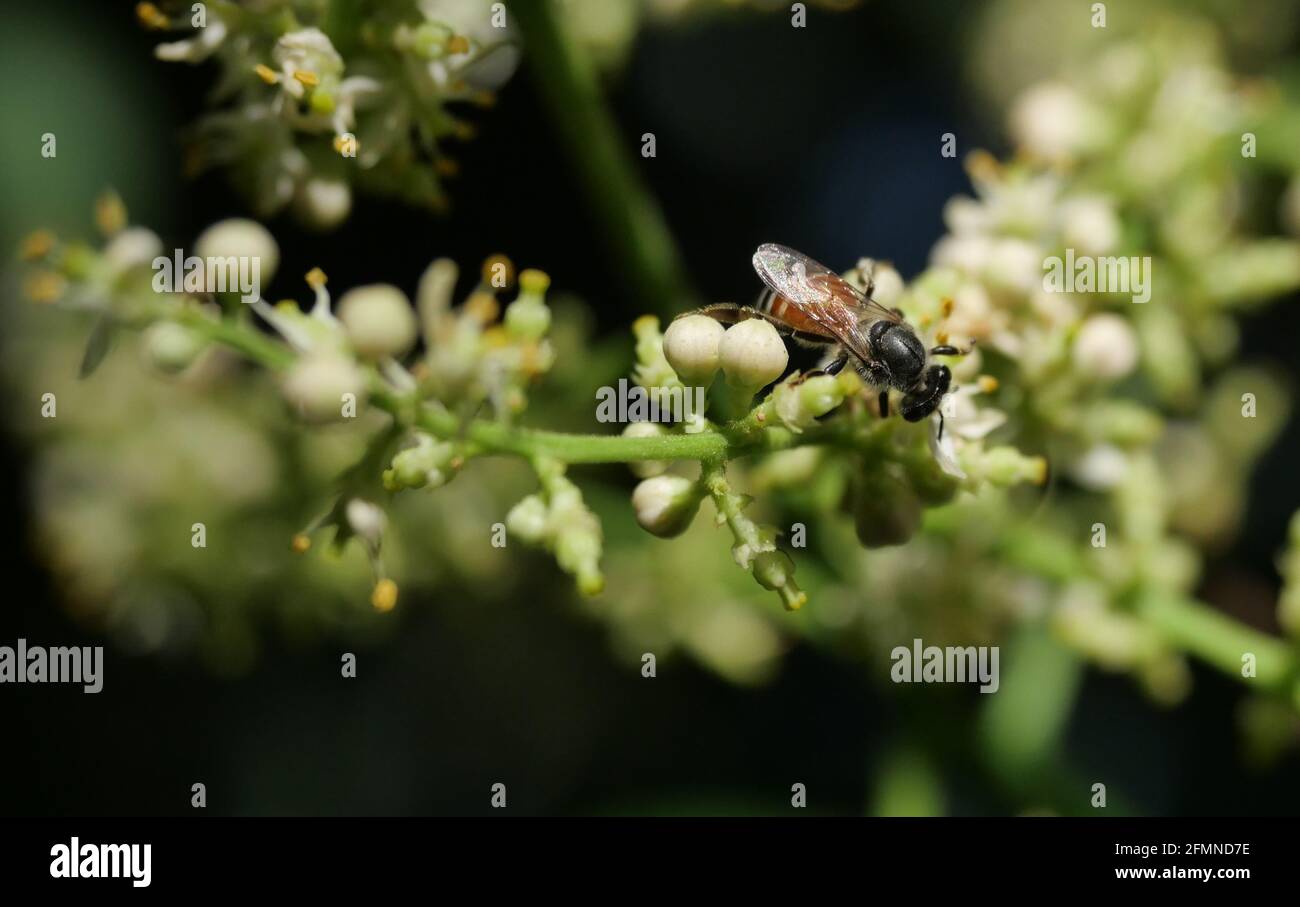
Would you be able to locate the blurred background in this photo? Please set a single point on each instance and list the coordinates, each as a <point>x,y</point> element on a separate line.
<point>227,671</point>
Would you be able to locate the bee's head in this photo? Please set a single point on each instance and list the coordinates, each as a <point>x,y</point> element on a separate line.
<point>925,398</point>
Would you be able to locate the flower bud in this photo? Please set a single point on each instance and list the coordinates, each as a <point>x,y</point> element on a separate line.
<point>691,346</point>
<point>172,348</point>
<point>134,247</point>
<point>426,464</point>
<point>666,505</point>
<point>379,320</point>
<point>645,469</point>
<point>315,385</point>
<point>577,551</point>
<point>752,355</point>
<point>528,520</point>
<point>774,570</point>
<point>800,403</point>
<point>323,204</point>
<point>240,238</point>
<point>885,510</point>
<point>1106,347</point>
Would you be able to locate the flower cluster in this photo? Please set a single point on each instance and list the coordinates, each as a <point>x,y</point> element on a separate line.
<point>319,98</point>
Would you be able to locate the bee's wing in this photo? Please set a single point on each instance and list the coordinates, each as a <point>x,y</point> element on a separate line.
<point>821,295</point>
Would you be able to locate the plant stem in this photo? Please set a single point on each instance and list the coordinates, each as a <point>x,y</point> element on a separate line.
<point>630,217</point>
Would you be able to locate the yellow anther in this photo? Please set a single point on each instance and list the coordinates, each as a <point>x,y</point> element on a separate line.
<point>941,337</point>
<point>110,213</point>
<point>988,384</point>
<point>266,74</point>
<point>44,287</point>
<point>483,98</point>
<point>301,544</point>
<point>446,166</point>
<point>151,16</point>
<point>465,131</point>
<point>983,167</point>
<point>458,44</point>
<point>316,278</point>
<point>947,306</point>
<point>498,271</point>
<point>308,79</point>
<point>384,597</point>
<point>346,144</point>
<point>37,245</point>
<point>482,307</point>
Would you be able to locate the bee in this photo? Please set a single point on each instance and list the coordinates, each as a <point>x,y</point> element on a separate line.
<point>811,304</point>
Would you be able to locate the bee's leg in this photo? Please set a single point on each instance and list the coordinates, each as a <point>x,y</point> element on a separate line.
<point>940,438</point>
<point>834,367</point>
<point>884,404</point>
<point>947,349</point>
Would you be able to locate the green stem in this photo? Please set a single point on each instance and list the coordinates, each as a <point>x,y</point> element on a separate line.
<point>629,215</point>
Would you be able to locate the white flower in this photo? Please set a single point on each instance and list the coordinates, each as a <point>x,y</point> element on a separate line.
<point>962,421</point>
<point>1101,468</point>
<point>691,346</point>
<point>307,51</point>
<point>1053,122</point>
<point>196,49</point>
<point>240,238</point>
<point>133,247</point>
<point>367,520</point>
<point>323,203</point>
<point>1106,347</point>
<point>1089,223</point>
<point>316,384</point>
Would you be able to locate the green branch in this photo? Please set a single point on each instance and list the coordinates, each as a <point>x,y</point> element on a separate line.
<point>630,217</point>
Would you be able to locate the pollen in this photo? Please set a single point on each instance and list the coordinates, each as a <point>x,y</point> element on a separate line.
<point>306,78</point>
<point>344,144</point>
<point>947,306</point>
<point>458,44</point>
<point>941,337</point>
<point>988,384</point>
<point>316,278</point>
<point>266,73</point>
<point>384,596</point>
<point>482,307</point>
<point>301,543</point>
<point>151,16</point>
<point>37,245</point>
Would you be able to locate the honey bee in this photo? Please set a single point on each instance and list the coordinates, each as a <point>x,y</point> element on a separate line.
<point>814,306</point>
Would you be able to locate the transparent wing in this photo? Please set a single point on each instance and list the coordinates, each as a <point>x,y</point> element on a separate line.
<point>821,295</point>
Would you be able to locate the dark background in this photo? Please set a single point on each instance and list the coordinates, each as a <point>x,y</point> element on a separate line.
<point>827,144</point>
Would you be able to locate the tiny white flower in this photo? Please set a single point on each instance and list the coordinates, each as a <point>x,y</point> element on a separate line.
<point>315,385</point>
<point>240,238</point>
<point>196,49</point>
<point>962,421</point>
<point>1106,347</point>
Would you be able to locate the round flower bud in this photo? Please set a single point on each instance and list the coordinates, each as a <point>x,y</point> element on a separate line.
<point>1090,223</point>
<point>665,505</point>
<point>171,347</point>
<point>240,238</point>
<point>528,318</point>
<point>1106,347</point>
<point>133,247</point>
<point>323,204</point>
<point>691,346</point>
<point>752,354</point>
<point>800,404</point>
<point>645,469</point>
<point>378,319</point>
<point>774,570</point>
<point>316,384</point>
